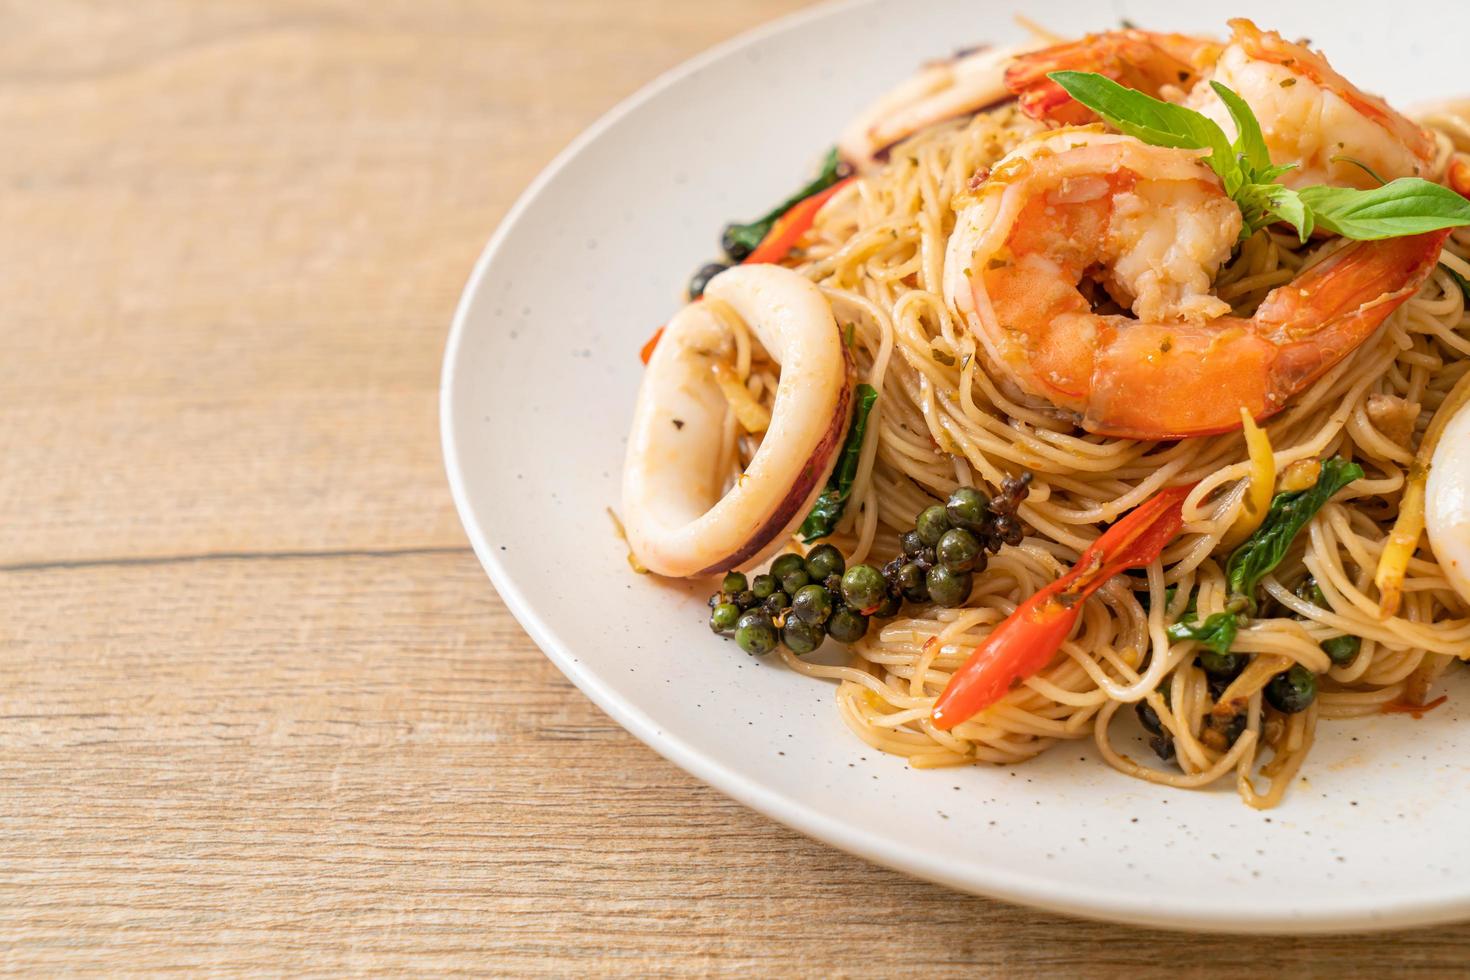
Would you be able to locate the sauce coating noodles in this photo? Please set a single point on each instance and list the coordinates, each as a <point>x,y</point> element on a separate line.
<point>877,252</point>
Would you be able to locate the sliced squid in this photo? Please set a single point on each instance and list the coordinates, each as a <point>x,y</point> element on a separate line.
<point>957,86</point>
<point>679,519</point>
<point>1447,501</point>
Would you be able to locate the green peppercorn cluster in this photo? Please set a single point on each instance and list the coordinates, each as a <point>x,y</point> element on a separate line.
<point>802,601</point>
<point>1289,692</point>
<point>799,602</point>
<point>953,541</point>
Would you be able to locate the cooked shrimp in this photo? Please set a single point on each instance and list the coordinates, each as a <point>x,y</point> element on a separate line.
<point>677,517</point>
<point>1152,226</point>
<point>1310,115</point>
<point>1165,66</point>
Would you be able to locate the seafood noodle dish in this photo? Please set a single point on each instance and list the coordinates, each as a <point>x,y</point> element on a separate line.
<point>1109,388</point>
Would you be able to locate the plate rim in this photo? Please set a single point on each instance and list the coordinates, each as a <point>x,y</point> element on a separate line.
<point>1076,898</point>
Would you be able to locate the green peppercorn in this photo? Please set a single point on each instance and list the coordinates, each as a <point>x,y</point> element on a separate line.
<point>958,550</point>
<point>1225,666</point>
<point>1309,590</point>
<point>800,636</point>
<point>775,603</point>
<point>786,564</point>
<point>763,586</point>
<point>847,625</point>
<point>723,617</point>
<point>824,560</point>
<point>910,580</point>
<point>968,508</point>
<point>1292,690</point>
<point>744,600</point>
<point>755,633</point>
<point>793,582</point>
<point>1343,649</point>
<point>701,279</point>
<point>931,525</point>
<point>888,606</point>
<point>790,573</point>
<point>911,543</point>
<point>734,582</point>
<point>812,604</point>
<point>863,586</point>
<point>946,587</point>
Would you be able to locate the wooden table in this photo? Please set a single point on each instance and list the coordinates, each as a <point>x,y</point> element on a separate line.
<point>259,706</point>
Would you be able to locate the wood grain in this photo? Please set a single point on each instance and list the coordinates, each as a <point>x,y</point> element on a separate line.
<point>260,710</point>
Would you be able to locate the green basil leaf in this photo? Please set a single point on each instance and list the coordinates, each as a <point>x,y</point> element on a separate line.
<point>739,240</point>
<point>1264,204</point>
<point>1288,514</point>
<point>1254,201</point>
<point>1271,173</point>
<point>1249,143</point>
<point>1287,205</point>
<point>1216,633</point>
<point>1460,281</point>
<point>827,511</point>
<point>1153,121</point>
<point>1407,206</point>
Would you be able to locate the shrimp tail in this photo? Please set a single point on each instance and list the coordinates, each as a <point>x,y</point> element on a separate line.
<point>1366,280</point>
<point>1065,206</point>
<point>1159,381</point>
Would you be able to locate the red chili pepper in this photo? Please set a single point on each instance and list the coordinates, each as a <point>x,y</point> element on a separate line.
<point>1028,638</point>
<point>789,228</point>
<point>1458,174</point>
<point>650,344</point>
<point>779,241</point>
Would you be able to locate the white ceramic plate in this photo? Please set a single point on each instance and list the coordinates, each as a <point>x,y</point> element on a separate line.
<point>539,380</point>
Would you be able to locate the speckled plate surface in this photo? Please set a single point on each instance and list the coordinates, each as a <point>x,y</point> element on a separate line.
<point>538,387</point>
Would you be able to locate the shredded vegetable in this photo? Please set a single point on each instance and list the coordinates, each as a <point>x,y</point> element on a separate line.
<point>1262,483</point>
<point>1408,527</point>
<point>749,412</point>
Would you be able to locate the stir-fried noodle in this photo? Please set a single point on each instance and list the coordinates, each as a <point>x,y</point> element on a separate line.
<point>877,252</point>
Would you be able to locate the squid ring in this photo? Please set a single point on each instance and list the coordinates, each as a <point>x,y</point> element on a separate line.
<point>677,519</point>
